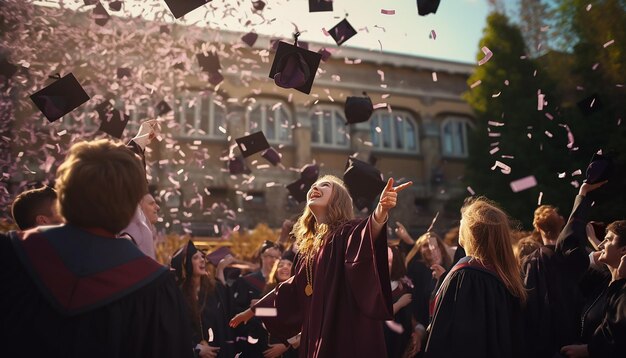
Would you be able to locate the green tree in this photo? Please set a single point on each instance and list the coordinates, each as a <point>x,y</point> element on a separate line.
<point>529,142</point>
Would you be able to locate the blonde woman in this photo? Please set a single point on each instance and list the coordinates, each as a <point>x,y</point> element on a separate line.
<point>478,307</point>
<point>341,291</point>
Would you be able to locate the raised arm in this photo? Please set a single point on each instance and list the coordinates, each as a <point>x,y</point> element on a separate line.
<point>388,201</point>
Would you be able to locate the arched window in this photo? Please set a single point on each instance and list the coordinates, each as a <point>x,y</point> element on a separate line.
<point>328,127</point>
<point>200,116</point>
<point>396,131</point>
<point>454,137</point>
<point>272,117</point>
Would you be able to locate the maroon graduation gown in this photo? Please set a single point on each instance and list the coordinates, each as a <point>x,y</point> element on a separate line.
<point>351,297</point>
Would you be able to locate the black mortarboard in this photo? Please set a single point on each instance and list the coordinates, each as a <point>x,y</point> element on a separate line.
<point>358,109</point>
<point>112,120</point>
<point>163,108</point>
<point>364,182</point>
<point>271,155</point>
<point>7,69</point>
<point>123,72</point>
<point>209,62</point>
<point>258,5</point>
<point>294,67</point>
<point>182,261</point>
<point>320,5</point>
<point>217,255</point>
<point>60,97</point>
<point>90,2</point>
<point>298,190</point>
<point>590,104</point>
<point>250,38</point>
<point>342,32</point>
<point>425,7</point>
<point>215,78</point>
<point>325,54</point>
<point>115,5</point>
<point>252,143</point>
<point>237,165</point>
<point>101,15</point>
<point>599,169</point>
<point>310,172</point>
<point>180,8</point>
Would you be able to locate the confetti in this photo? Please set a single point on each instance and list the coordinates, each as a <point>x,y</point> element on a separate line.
<point>433,34</point>
<point>488,55</point>
<point>523,183</point>
<point>252,340</point>
<point>387,12</point>
<point>496,95</point>
<point>494,150</point>
<point>470,190</point>
<point>505,169</point>
<point>61,133</point>
<point>476,84</point>
<point>434,76</point>
<point>540,101</point>
<point>608,44</point>
<point>540,197</point>
<point>577,172</point>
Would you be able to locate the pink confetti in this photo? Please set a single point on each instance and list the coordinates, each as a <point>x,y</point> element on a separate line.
<point>433,34</point>
<point>505,169</point>
<point>540,197</point>
<point>488,55</point>
<point>523,183</point>
<point>470,190</point>
<point>495,124</point>
<point>561,175</point>
<point>387,12</point>
<point>434,76</point>
<point>395,326</point>
<point>548,134</point>
<point>476,84</point>
<point>608,44</point>
<point>577,172</point>
<point>325,32</point>
<point>549,116</point>
<point>588,7</point>
<point>494,150</point>
<point>380,105</point>
<point>382,75</point>
<point>540,101</point>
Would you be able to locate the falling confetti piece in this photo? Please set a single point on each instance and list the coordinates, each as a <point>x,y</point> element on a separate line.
<point>577,172</point>
<point>476,84</point>
<point>395,326</point>
<point>540,197</point>
<point>61,133</point>
<point>562,175</point>
<point>588,7</point>
<point>433,34</point>
<point>470,190</point>
<point>434,76</point>
<point>540,101</point>
<point>505,169</point>
<point>495,124</point>
<point>252,340</point>
<point>494,150</point>
<point>548,134</point>
<point>608,44</point>
<point>496,95</point>
<point>523,183</point>
<point>487,57</point>
<point>387,12</point>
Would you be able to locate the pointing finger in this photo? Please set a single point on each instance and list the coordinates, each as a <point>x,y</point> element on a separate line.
<point>402,186</point>
<point>389,185</point>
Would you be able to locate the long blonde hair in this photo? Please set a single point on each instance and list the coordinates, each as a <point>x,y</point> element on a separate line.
<point>485,234</point>
<point>339,210</point>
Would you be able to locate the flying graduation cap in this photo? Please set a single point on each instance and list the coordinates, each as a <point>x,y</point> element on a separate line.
<point>180,8</point>
<point>60,97</point>
<point>112,120</point>
<point>101,15</point>
<point>358,109</point>
<point>252,143</point>
<point>308,175</point>
<point>425,7</point>
<point>294,67</point>
<point>364,182</point>
<point>342,32</point>
<point>320,5</point>
<point>600,168</point>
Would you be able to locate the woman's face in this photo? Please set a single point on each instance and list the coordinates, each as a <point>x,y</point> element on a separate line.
<point>431,253</point>
<point>269,257</point>
<point>611,251</point>
<point>283,272</point>
<point>198,263</point>
<point>319,194</point>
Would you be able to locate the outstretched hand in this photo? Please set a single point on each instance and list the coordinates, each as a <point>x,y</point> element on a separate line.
<point>586,187</point>
<point>240,318</point>
<point>147,132</point>
<point>388,199</point>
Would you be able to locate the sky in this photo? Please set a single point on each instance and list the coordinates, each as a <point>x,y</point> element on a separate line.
<point>457,26</point>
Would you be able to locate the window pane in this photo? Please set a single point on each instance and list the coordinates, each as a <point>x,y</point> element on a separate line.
<point>447,139</point>
<point>399,125</point>
<point>270,123</point>
<point>219,120</point>
<point>328,127</point>
<point>340,125</point>
<point>411,141</point>
<point>205,115</point>
<point>284,126</point>
<point>460,134</point>
<point>386,128</point>
<point>254,118</point>
<point>374,130</point>
<point>315,127</point>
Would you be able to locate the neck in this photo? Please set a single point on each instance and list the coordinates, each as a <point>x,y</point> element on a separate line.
<point>614,273</point>
<point>196,281</point>
<point>319,214</point>
<point>547,241</point>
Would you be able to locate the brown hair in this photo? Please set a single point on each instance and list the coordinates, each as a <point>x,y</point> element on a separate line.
<point>485,234</point>
<point>548,220</point>
<point>339,211</point>
<point>446,260</point>
<point>100,184</point>
<point>398,269</point>
<point>619,229</point>
<point>31,203</point>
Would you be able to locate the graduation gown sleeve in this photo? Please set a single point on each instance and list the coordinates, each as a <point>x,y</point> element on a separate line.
<point>573,238</point>
<point>609,340</point>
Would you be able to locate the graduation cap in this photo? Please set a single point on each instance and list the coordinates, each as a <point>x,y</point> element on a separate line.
<point>358,109</point>
<point>308,175</point>
<point>209,62</point>
<point>425,7</point>
<point>182,261</point>
<point>590,104</point>
<point>320,5</point>
<point>342,32</point>
<point>217,255</point>
<point>237,165</point>
<point>271,155</point>
<point>60,97</point>
<point>252,143</point>
<point>163,108</point>
<point>250,38</point>
<point>325,54</point>
<point>112,120</point>
<point>364,182</point>
<point>599,169</point>
<point>258,5</point>
<point>294,67</point>
<point>90,2</point>
<point>180,8</point>
<point>101,15</point>
<point>7,69</point>
<point>123,72</point>
<point>115,5</point>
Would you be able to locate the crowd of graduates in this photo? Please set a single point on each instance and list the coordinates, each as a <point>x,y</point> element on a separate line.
<point>79,279</point>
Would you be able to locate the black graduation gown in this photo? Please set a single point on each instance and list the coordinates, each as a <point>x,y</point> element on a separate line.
<point>67,292</point>
<point>215,317</point>
<point>475,317</point>
<point>398,339</point>
<point>609,340</point>
<point>551,276</point>
<point>251,337</point>
<point>424,286</point>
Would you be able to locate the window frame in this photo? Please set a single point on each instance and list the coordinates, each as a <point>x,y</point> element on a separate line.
<point>456,152</point>
<point>407,117</point>
<point>269,103</point>
<point>201,98</point>
<point>335,130</point>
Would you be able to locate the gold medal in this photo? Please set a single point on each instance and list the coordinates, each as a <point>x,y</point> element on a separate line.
<point>308,290</point>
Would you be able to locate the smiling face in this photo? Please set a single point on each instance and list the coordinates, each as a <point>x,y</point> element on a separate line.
<point>199,264</point>
<point>611,250</point>
<point>319,195</point>
<point>150,208</point>
<point>283,272</point>
<point>269,257</point>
